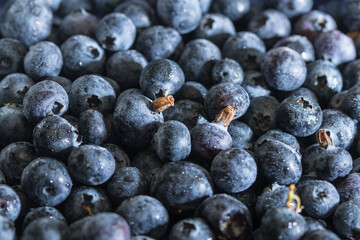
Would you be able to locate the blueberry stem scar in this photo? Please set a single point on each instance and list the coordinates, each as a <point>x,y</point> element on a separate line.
<point>162,103</point>
<point>226,115</point>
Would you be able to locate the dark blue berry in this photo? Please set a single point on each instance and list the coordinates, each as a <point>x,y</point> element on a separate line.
<point>300,44</point>
<point>255,85</point>
<point>92,127</point>
<point>10,204</point>
<point>241,134</point>
<point>191,229</point>
<point>346,219</point>
<point>7,229</point>
<point>139,11</point>
<point>46,228</point>
<point>120,156</point>
<point>348,187</point>
<point>12,53</point>
<point>41,212</point>
<point>13,88</point>
<point>227,70</point>
<point>292,8</point>
<point>234,9</point>
<point>193,91</point>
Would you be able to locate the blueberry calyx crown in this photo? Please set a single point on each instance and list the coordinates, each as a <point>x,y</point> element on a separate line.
<point>162,103</point>
<point>226,115</point>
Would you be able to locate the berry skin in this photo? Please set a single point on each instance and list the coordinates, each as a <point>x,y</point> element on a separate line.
<point>227,216</point>
<point>13,88</point>
<point>191,229</point>
<point>45,98</point>
<point>320,234</point>
<point>91,165</point>
<point>277,135</point>
<point>233,170</point>
<point>348,187</point>
<point>120,156</point>
<point>351,74</point>
<point>233,9</point>
<point>55,137</point>
<point>34,24</point>
<point>7,229</point>
<point>227,70</point>
<point>115,32</point>
<point>300,116</point>
<point>46,181</point>
<point>43,59</point>
<point>85,201</point>
<point>12,53</point>
<point>255,85</point>
<point>282,223</point>
<point>91,92</point>
<point>92,127</point>
<point>222,95</point>
<point>161,78</point>
<point>184,15</point>
<point>14,158</point>
<point>148,163</point>
<point>9,202</point>
<point>82,55</point>
<point>346,219</point>
<point>193,91</point>
<point>46,228</point>
<point>292,8</point>
<point>300,44</point>
<point>172,141</point>
<point>284,69</point>
<point>279,162</point>
<point>351,102</point>
<point>241,134</point>
<point>181,186</point>
<point>145,215</point>
<point>159,42</point>
<point>40,212</point>
<point>125,68</point>
<point>140,12</point>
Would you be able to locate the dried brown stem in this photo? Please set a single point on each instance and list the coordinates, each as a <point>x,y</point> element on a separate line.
<point>226,115</point>
<point>323,138</point>
<point>162,103</point>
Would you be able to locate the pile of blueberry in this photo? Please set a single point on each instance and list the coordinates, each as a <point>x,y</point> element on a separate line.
<point>179,119</point>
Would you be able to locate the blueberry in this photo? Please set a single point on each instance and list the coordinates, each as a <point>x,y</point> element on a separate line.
<point>348,187</point>
<point>68,6</point>
<point>282,223</point>
<point>196,58</point>
<point>193,91</point>
<point>351,74</point>
<point>78,22</point>
<point>46,228</point>
<point>279,162</point>
<point>115,32</point>
<point>77,227</point>
<point>145,215</point>
<point>181,186</point>
<point>106,226</point>
<point>255,85</point>
<point>261,115</point>
<point>340,128</point>
<point>270,25</point>
<point>305,92</point>
<point>292,8</point>
<point>135,120</point>
<point>120,156</point>
<point>335,47</point>
<point>227,70</point>
<point>41,212</point>
<point>241,134</point>
<point>216,28</point>
<point>184,15</point>
<point>320,234</point>
<point>233,170</point>
<point>319,198</point>
<point>82,55</point>
<point>45,98</point>
<point>125,68</point>
<point>246,48</point>
<point>84,201</point>
<point>227,216</point>
<point>278,136</point>
<point>14,158</point>
<point>13,88</point>
<point>91,92</point>
<point>139,11</point>
<point>92,127</point>
<point>34,24</point>
<point>11,56</point>
<point>126,182</point>
<point>15,126</point>
<point>191,229</point>
<point>43,59</point>
<point>55,137</point>
<point>350,14</point>
<point>324,79</point>
<point>300,44</point>
<point>337,100</point>
<point>147,162</point>
<point>300,116</point>
<point>10,204</point>
<point>208,139</point>
<point>63,81</point>
<point>46,181</point>
<point>234,9</point>
<point>159,42</point>
<point>91,165</point>
<point>314,224</point>
<point>7,229</point>
<point>224,94</point>
<point>284,69</point>
<point>272,197</point>
<point>188,112</point>
<point>314,23</point>
<point>161,78</point>
<point>172,141</point>
<point>346,219</point>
